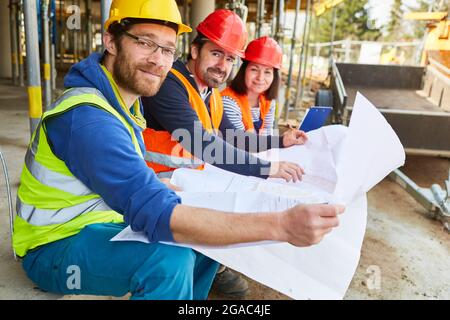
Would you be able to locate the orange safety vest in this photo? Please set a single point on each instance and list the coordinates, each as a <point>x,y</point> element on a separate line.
<point>242,101</point>
<point>165,154</point>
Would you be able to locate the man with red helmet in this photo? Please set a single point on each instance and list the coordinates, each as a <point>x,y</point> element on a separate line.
<point>185,119</point>
<point>189,100</point>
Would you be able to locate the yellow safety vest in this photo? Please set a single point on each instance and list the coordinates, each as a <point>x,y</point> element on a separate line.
<point>52,204</point>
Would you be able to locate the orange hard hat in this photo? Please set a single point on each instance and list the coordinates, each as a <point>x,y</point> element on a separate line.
<point>265,51</point>
<point>226,29</point>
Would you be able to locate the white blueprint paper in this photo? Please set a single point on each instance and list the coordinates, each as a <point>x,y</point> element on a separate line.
<point>370,151</point>
<point>339,167</point>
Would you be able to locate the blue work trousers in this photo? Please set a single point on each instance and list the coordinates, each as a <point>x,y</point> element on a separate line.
<point>88,263</point>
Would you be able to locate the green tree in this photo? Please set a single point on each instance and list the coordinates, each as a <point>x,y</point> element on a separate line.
<point>352,22</point>
<point>394,26</point>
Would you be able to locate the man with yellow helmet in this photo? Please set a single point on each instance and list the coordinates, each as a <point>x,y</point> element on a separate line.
<point>84,179</point>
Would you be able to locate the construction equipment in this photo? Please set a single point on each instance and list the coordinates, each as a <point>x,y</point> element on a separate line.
<point>320,7</point>
<point>394,90</point>
<point>423,128</point>
<point>435,200</point>
<point>437,40</point>
<point>416,102</point>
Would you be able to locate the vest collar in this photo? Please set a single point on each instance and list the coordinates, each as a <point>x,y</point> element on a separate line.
<point>134,113</point>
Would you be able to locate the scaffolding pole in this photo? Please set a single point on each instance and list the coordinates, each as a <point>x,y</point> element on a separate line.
<point>259,18</point>
<point>52,28</point>
<point>273,28</point>
<point>105,5</point>
<point>13,38</point>
<point>279,30</point>
<point>333,32</point>
<point>238,7</point>
<point>53,71</point>
<point>280,39</point>
<point>278,35</point>
<point>185,36</point>
<point>316,30</point>
<point>74,33</point>
<point>33,66</point>
<point>89,26</point>
<point>46,52</point>
<point>61,33</point>
<point>291,62</point>
<point>304,61</point>
<point>19,19</point>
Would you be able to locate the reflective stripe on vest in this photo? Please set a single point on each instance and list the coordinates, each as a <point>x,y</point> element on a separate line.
<point>51,178</point>
<point>242,102</point>
<point>44,217</point>
<point>52,204</point>
<point>165,154</point>
<point>174,162</point>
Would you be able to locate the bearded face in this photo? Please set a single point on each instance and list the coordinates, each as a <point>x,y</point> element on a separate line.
<point>140,77</point>
<point>213,64</point>
<point>140,60</point>
<point>212,76</point>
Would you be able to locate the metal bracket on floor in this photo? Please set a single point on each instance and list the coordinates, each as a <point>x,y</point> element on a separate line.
<point>434,199</point>
<point>10,203</point>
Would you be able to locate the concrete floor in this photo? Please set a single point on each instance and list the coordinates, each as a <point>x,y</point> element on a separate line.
<point>410,250</point>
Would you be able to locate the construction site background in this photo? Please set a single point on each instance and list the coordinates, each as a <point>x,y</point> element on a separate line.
<point>405,254</point>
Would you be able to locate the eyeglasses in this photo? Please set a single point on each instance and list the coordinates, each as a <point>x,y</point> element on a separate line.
<point>150,46</point>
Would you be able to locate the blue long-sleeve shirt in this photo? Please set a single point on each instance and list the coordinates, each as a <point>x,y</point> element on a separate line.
<point>98,150</point>
<point>170,110</point>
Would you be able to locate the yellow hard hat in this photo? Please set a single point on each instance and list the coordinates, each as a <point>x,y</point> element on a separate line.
<point>164,10</point>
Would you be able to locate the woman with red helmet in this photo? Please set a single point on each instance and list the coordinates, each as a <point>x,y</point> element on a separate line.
<point>249,101</point>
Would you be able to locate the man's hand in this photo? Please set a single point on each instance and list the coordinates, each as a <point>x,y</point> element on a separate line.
<point>302,225</point>
<point>294,137</point>
<point>286,170</point>
<point>306,225</point>
<point>173,187</point>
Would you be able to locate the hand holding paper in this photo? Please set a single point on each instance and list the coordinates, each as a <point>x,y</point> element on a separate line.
<point>294,137</point>
<point>307,225</point>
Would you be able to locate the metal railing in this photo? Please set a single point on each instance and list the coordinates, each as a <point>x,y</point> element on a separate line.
<point>9,197</point>
<point>349,51</point>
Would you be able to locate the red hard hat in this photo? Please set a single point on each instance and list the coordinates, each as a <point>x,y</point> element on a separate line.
<point>265,51</point>
<point>226,29</point>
